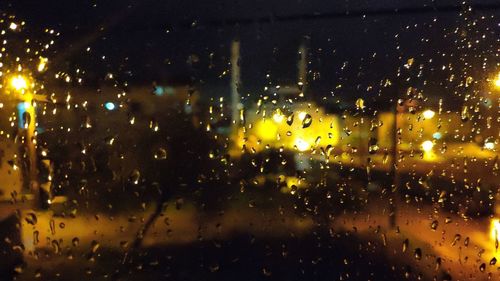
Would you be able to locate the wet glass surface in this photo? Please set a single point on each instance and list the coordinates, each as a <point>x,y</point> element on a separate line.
<point>249,140</point>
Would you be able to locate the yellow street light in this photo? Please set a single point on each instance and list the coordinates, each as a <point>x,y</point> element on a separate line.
<point>19,83</point>
<point>428,114</point>
<point>13,26</point>
<point>489,145</point>
<point>267,130</point>
<point>302,115</point>
<point>42,65</point>
<point>495,229</point>
<point>428,154</point>
<point>277,117</point>
<point>302,145</point>
<point>496,82</point>
<point>427,146</point>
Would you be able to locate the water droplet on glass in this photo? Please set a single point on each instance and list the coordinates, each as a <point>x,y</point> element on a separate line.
<point>482,267</point>
<point>160,154</point>
<point>52,225</point>
<point>56,246</point>
<point>289,120</point>
<point>36,234</point>
<point>266,271</point>
<point>409,62</point>
<point>438,264</point>
<point>18,269</point>
<point>31,218</point>
<point>373,146</point>
<point>360,104</point>
<point>94,246</point>
<point>464,115</point>
<point>214,268</point>
<point>434,225</point>
<point>134,176</point>
<point>405,245</point>
<point>456,239</point>
<point>418,254</point>
<point>306,122</point>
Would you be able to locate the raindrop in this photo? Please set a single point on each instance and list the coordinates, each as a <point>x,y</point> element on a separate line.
<point>300,85</point>
<point>87,124</point>
<point>109,140</point>
<point>434,225</point>
<point>56,246</point>
<point>373,146</point>
<point>408,272</point>
<point>35,237</point>
<point>418,254</point>
<point>405,245</point>
<point>360,104</point>
<point>289,120</point>
<point>306,122</point>
<point>160,154</point>
<point>124,244</point>
<point>456,239</point>
<point>26,119</point>
<point>482,267</point>
<point>134,177</point>
<point>468,81</point>
<point>464,115</point>
<point>52,225</point>
<point>438,264</point>
<point>214,268</point>
<point>266,271</point>
<point>31,218</point>
<point>94,246</point>
<point>75,241</point>
<point>493,261</point>
<point>18,269</point>
<point>153,125</point>
<point>409,63</point>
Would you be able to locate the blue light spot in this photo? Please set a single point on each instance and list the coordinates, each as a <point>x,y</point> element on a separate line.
<point>437,135</point>
<point>21,107</point>
<point>159,91</point>
<point>109,106</point>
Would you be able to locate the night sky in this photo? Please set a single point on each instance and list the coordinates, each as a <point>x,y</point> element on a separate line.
<point>188,41</point>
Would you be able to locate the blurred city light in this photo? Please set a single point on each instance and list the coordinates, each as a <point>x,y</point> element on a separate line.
<point>302,115</point>
<point>277,117</point>
<point>13,26</point>
<point>489,145</point>
<point>267,130</point>
<point>428,114</point>
<point>19,83</point>
<point>427,146</point>
<point>301,144</point>
<point>495,229</point>
<point>437,135</point>
<point>42,65</point>
<point>496,82</point>
<point>109,106</point>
